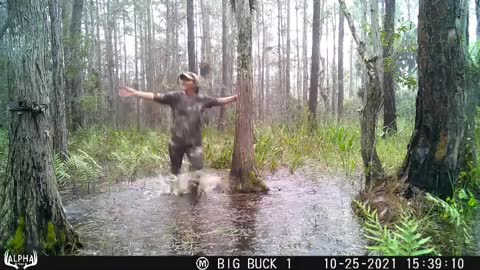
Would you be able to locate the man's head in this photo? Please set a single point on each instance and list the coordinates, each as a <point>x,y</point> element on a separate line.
<point>189,82</point>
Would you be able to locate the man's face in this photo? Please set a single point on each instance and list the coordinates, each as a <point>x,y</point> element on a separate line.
<point>188,85</point>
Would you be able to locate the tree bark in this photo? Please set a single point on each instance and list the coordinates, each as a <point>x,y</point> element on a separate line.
<point>340,64</point>
<point>477,7</point>
<point>305,53</point>
<point>437,146</point>
<point>371,106</point>
<point>60,140</point>
<point>313,97</point>
<point>298,84</point>
<point>243,160</point>
<point>334,99</point>
<point>192,66</point>
<point>281,94</point>
<point>287,62</point>
<point>76,65</point>
<point>31,209</point>
<point>221,123</point>
<point>389,108</point>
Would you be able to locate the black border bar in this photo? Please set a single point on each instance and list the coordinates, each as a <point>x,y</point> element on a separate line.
<point>252,263</point>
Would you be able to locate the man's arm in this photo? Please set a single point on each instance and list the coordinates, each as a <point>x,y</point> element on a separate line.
<point>227,100</point>
<point>126,91</point>
<point>165,98</point>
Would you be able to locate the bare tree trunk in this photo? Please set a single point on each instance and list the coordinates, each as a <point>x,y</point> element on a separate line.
<point>124,44</point>
<point>340,63</point>
<point>350,89</point>
<point>334,70</point>
<point>32,214</point>
<point>377,41</point>
<point>305,53</point>
<point>437,146</point>
<point>221,124</point>
<point>371,105</point>
<point>312,100</point>
<point>477,7</point>
<point>287,62</point>
<point>76,63</point>
<point>298,85</point>
<point>243,160</point>
<point>60,140</point>
<point>257,103</point>
<point>264,52</point>
<point>280,95</point>
<point>137,85</point>
<point>389,108</point>
<point>110,66</point>
<point>192,66</point>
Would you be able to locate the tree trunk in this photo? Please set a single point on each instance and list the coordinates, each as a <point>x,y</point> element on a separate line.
<point>76,62</point>
<point>305,53</point>
<point>287,62</point>
<point>192,66</point>
<point>137,84</point>
<point>312,99</point>
<point>376,42</point>
<point>60,140</point>
<point>264,63</point>
<point>477,7</point>
<point>437,146</point>
<point>334,69</point>
<point>350,88</point>
<point>340,63</point>
<point>110,65</point>
<point>371,106</point>
<point>31,209</point>
<point>221,124</point>
<point>389,109</point>
<point>298,83</point>
<point>243,160</point>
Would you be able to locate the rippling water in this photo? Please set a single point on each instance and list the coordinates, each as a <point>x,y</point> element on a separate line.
<point>303,214</point>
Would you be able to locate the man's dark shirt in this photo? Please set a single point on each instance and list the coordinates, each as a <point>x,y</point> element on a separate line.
<point>187,115</point>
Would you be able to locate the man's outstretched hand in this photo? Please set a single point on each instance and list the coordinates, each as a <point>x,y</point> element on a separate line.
<point>125,91</point>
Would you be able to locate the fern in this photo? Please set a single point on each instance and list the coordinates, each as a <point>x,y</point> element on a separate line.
<point>406,240</point>
<point>61,170</point>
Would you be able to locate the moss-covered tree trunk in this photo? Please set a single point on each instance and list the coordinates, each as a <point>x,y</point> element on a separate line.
<point>437,147</point>
<point>243,160</point>
<point>32,216</point>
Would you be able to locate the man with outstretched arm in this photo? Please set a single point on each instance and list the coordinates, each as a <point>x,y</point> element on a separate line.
<point>187,107</point>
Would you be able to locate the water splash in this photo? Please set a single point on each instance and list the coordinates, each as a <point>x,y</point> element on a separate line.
<point>195,183</point>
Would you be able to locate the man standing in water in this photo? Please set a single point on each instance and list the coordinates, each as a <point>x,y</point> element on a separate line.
<point>187,107</point>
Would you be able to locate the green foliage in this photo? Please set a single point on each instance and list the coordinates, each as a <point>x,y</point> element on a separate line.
<point>455,216</point>
<point>404,240</point>
<point>79,168</point>
<point>16,243</point>
<point>344,142</point>
<point>123,154</point>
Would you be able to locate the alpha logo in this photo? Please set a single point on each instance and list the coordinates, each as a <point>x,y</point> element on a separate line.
<point>23,261</point>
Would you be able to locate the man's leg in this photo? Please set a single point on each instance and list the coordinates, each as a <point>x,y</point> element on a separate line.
<point>195,156</point>
<point>176,153</point>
